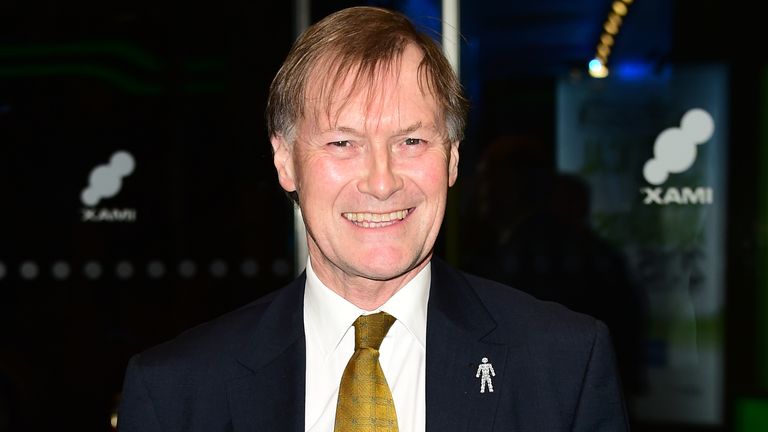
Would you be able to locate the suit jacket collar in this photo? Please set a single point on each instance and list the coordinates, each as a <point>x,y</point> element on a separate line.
<point>270,394</point>
<point>460,333</point>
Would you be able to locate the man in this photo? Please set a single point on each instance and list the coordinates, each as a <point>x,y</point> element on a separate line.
<point>365,118</point>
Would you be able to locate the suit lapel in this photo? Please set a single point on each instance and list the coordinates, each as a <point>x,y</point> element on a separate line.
<point>270,394</point>
<point>459,335</point>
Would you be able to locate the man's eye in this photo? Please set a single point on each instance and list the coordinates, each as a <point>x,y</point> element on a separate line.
<point>413,141</point>
<point>339,143</point>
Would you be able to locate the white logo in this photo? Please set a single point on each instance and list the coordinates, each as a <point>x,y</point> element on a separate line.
<point>105,181</point>
<point>674,152</point>
<point>486,370</point>
<point>675,148</point>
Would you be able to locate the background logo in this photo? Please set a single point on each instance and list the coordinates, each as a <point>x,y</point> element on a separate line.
<point>675,148</point>
<point>105,181</point>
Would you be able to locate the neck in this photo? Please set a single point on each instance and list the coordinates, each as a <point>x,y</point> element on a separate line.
<point>364,292</point>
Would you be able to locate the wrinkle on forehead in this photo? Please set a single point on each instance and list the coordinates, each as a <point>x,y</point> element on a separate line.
<point>334,84</point>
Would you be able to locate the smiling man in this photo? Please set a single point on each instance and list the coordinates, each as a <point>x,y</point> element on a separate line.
<point>371,165</point>
<point>365,119</point>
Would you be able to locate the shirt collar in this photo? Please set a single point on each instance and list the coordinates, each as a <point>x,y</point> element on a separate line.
<point>331,315</point>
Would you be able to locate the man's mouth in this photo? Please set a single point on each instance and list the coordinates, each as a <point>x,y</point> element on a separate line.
<point>376,220</point>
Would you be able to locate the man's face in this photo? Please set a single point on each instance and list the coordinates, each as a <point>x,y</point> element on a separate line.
<point>372,177</point>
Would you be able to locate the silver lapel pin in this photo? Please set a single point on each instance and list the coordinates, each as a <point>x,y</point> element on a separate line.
<point>486,370</point>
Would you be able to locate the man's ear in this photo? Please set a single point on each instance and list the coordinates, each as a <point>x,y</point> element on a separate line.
<point>282,155</point>
<point>453,163</point>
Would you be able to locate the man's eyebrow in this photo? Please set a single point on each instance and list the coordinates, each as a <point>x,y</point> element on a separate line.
<point>344,129</point>
<point>410,129</point>
<point>350,130</point>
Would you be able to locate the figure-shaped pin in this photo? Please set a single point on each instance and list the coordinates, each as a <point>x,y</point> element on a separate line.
<point>486,370</point>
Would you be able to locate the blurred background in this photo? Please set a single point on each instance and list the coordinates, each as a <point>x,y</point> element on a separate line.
<point>615,162</point>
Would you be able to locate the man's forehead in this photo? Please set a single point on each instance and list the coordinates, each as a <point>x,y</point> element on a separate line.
<point>360,116</point>
<point>330,97</point>
<point>332,83</point>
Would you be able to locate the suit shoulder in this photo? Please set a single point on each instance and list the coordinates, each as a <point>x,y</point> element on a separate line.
<point>511,307</point>
<point>212,340</point>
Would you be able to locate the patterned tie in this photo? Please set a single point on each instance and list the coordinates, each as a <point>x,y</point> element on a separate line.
<point>365,402</point>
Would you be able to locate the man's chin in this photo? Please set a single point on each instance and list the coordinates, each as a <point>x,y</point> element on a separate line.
<point>379,269</point>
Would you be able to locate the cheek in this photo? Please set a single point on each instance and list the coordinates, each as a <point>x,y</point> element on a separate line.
<point>323,175</point>
<point>431,174</point>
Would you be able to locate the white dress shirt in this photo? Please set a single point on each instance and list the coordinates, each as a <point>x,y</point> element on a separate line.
<point>330,338</point>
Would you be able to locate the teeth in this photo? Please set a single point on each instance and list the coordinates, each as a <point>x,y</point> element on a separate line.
<point>368,219</point>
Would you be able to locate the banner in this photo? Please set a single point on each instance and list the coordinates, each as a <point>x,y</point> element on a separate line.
<point>653,152</point>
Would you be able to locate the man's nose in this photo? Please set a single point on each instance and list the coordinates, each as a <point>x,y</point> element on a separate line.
<point>380,178</point>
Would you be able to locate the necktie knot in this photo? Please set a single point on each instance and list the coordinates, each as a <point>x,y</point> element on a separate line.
<point>371,329</point>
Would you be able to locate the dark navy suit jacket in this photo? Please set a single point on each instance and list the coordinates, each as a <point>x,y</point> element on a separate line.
<point>245,371</point>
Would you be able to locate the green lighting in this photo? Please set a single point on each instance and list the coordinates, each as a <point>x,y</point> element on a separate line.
<point>121,50</point>
<point>112,62</point>
<point>751,415</point>
<point>105,73</point>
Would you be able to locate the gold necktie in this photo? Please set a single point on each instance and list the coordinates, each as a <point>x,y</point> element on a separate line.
<point>365,402</point>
